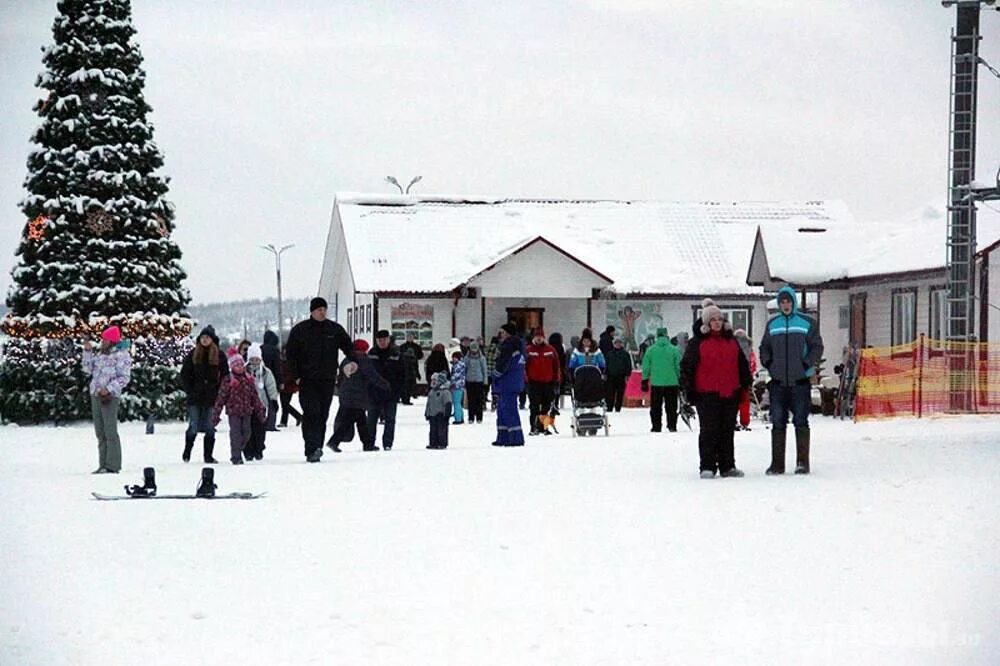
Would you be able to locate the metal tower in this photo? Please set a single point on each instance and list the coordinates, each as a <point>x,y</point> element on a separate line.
<point>965,40</point>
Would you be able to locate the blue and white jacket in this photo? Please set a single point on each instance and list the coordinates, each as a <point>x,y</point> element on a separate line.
<point>791,347</point>
<point>508,373</point>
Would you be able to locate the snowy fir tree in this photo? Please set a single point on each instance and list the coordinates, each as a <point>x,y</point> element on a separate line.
<point>96,248</point>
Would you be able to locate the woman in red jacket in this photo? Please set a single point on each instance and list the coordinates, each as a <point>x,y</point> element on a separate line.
<point>714,372</point>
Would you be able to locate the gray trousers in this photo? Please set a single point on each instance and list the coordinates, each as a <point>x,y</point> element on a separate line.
<point>109,446</point>
<point>239,435</point>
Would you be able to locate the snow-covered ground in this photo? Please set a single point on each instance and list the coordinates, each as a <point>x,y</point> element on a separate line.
<point>568,551</point>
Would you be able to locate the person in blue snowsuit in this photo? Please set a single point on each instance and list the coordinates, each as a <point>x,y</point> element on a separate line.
<point>790,350</point>
<point>508,382</point>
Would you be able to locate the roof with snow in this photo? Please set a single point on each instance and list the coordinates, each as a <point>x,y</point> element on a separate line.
<point>844,250</point>
<point>438,243</point>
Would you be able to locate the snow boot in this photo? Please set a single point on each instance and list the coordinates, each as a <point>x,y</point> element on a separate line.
<point>148,487</point>
<point>188,445</point>
<point>777,452</point>
<point>802,450</point>
<point>209,447</point>
<point>734,473</point>
<point>206,487</point>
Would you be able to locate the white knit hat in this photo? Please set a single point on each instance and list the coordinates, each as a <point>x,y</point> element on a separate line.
<point>254,352</point>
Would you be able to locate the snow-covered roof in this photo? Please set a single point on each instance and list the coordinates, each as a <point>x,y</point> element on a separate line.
<point>914,242</point>
<point>436,243</point>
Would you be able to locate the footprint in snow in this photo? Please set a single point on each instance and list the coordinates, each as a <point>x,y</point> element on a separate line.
<point>197,615</point>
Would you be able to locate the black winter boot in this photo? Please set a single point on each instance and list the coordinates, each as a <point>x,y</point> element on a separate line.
<point>777,452</point>
<point>209,447</point>
<point>802,450</point>
<point>206,487</point>
<point>188,445</point>
<point>148,487</point>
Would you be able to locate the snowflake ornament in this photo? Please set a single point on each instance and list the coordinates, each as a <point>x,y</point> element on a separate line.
<point>99,222</point>
<point>37,228</point>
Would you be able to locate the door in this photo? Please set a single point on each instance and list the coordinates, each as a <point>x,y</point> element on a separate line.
<point>857,332</point>
<point>526,319</point>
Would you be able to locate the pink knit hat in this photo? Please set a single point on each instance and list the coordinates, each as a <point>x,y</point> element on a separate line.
<point>112,334</point>
<point>235,360</point>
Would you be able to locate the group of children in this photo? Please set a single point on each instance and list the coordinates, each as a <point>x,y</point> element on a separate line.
<point>246,396</point>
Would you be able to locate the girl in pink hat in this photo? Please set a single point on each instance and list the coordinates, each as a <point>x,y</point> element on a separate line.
<point>110,370</point>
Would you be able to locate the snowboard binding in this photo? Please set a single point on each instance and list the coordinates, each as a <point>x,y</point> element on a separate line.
<point>148,487</point>
<point>206,487</point>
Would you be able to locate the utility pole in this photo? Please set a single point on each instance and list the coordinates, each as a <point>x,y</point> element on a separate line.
<point>277,269</point>
<point>961,246</point>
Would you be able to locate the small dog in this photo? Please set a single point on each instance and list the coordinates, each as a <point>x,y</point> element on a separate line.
<point>546,421</point>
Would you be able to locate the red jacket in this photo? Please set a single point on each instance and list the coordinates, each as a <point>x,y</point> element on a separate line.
<point>719,366</point>
<point>542,364</point>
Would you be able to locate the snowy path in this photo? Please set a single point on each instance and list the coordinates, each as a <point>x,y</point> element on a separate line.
<point>569,551</point>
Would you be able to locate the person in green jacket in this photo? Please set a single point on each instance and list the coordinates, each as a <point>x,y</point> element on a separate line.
<point>661,371</point>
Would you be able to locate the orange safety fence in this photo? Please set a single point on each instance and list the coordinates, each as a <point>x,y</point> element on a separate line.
<point>927,377</point>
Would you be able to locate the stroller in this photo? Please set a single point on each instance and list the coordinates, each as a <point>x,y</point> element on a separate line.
<point>589,409</point>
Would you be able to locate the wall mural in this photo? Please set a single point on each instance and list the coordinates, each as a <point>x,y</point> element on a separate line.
<point>634,320</point>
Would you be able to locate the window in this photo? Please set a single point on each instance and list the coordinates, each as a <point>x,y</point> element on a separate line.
<point>739,317</point>
<point>937,313</point>
<point>904,315</point>
<point>350,321</point>
<point>844,316</point>
<point>368,318</point>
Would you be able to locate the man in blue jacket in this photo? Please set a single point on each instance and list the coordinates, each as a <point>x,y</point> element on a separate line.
<point>508,382</point>
<point>790,350</point>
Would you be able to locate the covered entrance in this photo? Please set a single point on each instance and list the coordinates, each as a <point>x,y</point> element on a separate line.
<point>526,319</point>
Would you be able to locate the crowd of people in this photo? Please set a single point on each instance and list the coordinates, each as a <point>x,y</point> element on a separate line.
<point>251,381</point>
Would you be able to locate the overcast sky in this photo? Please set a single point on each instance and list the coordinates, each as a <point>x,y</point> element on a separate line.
<point>265,109</point>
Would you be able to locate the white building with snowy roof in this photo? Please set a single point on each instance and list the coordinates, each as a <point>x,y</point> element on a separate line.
<point>879,284</point>
<point>444,266</point>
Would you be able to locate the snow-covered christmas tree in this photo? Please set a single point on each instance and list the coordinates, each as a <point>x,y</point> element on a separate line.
<point>96,247</point>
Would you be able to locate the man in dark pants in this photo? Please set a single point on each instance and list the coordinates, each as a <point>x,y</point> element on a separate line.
<point>619,366</point>
<point>312,359</point>
<point>790,350</point>
<point>412,354</point>
<point>388,364</point>
<point>543,374</point>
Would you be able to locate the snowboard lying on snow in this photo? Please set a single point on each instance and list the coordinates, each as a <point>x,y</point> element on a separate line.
<point>243,496</point>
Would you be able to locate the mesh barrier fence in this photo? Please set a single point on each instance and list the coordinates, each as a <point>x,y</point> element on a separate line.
<point>928,377</point>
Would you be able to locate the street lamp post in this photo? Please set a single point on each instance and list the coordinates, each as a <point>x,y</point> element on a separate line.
<point>277,267</point>
<point>392,179</point>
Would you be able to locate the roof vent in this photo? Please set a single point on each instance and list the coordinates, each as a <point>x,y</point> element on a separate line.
<point>811,230</point>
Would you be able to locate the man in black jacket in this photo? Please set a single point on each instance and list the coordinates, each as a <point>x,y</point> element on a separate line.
<point>312,360</point>
<point>389,366</point>
<point>272,360</point>
<point>412,354</point>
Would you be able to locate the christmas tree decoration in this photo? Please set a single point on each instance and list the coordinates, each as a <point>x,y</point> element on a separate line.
<point>36,228</point>
<point>97,250</point>
<point>99,222</point>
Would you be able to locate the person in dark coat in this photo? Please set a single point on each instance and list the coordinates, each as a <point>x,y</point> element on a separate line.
<point>556,340</point>
<point>313,360</point>
<point>389,366</point>
<point>202,373</point>
<point>272,361</point>
<point>508,382</point>
<point>713,373</point>
<point>619,367</point>
<point>412,354</point>
<point>790,350</point>
<point>606,341</point>
<point>437,362</point>
<point>354,398</point>
<point>286,389</point>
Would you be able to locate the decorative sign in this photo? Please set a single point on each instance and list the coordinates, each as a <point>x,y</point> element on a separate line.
<point>415,318</point>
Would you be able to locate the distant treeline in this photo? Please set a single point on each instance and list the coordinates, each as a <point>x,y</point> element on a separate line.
<point>235,320</point>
